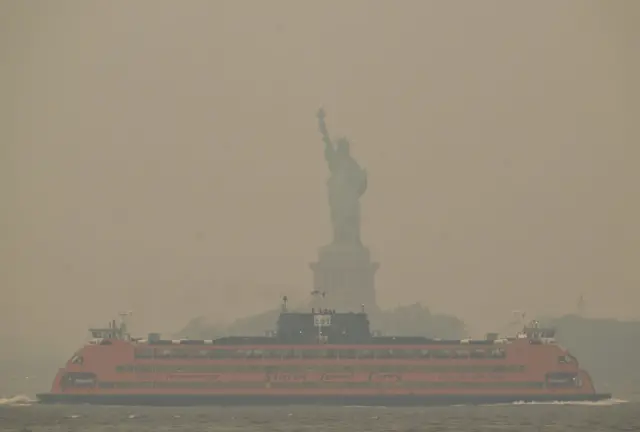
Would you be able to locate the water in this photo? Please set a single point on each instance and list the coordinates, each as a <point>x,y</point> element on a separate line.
<point>19,414</point>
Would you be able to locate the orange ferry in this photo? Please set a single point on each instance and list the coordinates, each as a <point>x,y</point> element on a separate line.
<point>320,357</point>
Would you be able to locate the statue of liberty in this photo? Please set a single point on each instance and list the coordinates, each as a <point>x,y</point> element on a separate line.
<point>347,183</point>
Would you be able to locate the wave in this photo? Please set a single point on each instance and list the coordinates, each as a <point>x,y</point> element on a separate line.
<point>20,400</point>
<point>364,406</point>
<point>605,402</point>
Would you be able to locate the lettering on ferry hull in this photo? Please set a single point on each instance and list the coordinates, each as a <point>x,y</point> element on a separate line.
<point>470,377</point>
<point>287,377</point>
<point>337,377</point>
<point>384,377</point>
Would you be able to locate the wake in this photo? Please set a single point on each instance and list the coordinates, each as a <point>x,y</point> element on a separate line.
<point>20,400</point>
<point>605,402</point>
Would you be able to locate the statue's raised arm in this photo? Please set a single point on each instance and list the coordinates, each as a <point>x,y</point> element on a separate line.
<point>329,150</point>
<point>322,125</point>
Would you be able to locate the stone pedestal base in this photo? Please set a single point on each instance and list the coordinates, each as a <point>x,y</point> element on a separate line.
<point>346,274</point>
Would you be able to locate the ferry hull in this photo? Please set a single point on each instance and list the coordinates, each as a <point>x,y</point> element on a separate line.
<point>335,400</point>
<point>114,369</point>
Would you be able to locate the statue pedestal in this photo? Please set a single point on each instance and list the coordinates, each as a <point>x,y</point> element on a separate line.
<point>346,274</point>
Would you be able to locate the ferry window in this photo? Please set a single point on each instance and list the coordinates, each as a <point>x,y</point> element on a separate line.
<point>163,353</point>
<point>347,354</point>
<point>314,353</point>
<point>143,353</point>
<point>242,353</point>
<point>199,354</point>
<point>384,353</point>
<point>564,359</point>
<point>233,353</point>
<point>256,354</point>
<point>498,353</point>
<point>180,353</point>
<point>288,354</point>
<point>218,354</point>
<point>272,354</point>
<point>402,353</point>
<point>440,354</point>
<point>229,353</point>
<point>330,354</point>
<point>478,353</point>
<point>365,354</point>
<point>461,354</point>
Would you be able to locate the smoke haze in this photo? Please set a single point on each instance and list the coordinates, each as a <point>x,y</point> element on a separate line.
<point>164,157</point>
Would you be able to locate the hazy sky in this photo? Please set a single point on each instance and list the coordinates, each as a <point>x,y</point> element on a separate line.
<point>164,157</point>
